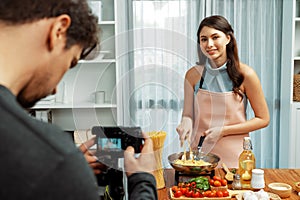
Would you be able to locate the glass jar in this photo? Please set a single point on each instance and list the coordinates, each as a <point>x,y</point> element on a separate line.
<point>257,181</point>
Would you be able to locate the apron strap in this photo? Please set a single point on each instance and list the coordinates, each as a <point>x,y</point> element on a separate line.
<point>202,77</point>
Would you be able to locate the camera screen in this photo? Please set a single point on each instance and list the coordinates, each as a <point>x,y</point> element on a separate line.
<point>109,143</point>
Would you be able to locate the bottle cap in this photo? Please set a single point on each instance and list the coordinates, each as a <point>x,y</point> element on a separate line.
<point>247,145</point>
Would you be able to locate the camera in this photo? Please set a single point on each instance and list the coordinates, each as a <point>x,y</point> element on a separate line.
<point>111,142</point>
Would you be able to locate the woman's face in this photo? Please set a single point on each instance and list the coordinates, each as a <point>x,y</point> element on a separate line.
<point>213,44</point>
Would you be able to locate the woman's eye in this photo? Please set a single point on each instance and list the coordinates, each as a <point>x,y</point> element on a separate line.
<point>203,39</point>
<point>215,37</point>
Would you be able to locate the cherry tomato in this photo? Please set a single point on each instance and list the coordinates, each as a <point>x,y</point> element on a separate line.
<point>178,193</point>
<point>207,193</point>
<point>183,190</point>
<point>200,194</point>
<point>189,193</point>
<point>193,184</point>
<point>211,181</point>
<point>213,194</point>
<point>223,182</point>
<point>196,194</point>
<point>217,183</point>
<point>174,188</point>
<point>225,193</point>
<point>217,178</point>
<point>219,194</point>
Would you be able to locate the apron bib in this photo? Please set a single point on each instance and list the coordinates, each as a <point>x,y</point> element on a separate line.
<point>217,109</point>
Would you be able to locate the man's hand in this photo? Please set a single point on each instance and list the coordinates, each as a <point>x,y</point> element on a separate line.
<point>89,156</point>
<point>144,163</point>
<point>185,130</point>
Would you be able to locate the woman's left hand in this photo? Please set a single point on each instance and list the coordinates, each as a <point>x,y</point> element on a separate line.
<point>212,136</point>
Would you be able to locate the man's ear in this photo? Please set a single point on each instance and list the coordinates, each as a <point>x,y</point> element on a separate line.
<point>58,30</point>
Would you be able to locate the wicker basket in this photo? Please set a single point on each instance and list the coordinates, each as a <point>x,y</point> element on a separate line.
<point>296,88</point>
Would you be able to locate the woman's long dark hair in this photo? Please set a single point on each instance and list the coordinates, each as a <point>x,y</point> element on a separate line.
<point>233,64</point>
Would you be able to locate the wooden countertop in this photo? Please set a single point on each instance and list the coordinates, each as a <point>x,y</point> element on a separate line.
<point>289,176</point>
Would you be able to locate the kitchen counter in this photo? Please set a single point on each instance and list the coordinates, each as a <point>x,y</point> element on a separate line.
<point>289,176</point>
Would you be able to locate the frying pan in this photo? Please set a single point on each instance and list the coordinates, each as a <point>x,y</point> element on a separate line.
<point>195,170</point>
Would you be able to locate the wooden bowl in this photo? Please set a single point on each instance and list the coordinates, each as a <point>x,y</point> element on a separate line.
<point>281,189</point>
<point>297,186</point>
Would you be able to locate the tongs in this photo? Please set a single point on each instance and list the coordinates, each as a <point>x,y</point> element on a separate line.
<point>191,154</point>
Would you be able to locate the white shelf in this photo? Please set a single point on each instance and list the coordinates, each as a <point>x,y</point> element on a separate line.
<point>84,105</point>
<point>297,19</point>
<point>297,58</point>
<point>107,23</point>
<point>98,61</point>
<point>296,104</point>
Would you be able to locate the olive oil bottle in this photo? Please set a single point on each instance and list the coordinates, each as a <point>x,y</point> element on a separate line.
<point>246,163</point>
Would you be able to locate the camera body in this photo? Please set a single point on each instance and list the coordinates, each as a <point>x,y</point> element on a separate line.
<point>111,142</point>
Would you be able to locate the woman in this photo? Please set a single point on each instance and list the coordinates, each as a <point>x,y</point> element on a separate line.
<point>216,93</point>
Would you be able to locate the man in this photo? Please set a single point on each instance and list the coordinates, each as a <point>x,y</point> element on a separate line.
<point>39,41</point>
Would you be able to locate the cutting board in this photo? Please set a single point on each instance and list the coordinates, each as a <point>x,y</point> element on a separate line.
<point>231,192</point>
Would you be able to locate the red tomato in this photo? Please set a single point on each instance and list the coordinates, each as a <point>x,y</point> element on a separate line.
<point>200,194</point>
<point>178,193</point>
<point>223,182</point>
<point>211,182</point>
<point>183,190</point>
<point>217,178</point>
<point>193,184</point>
<point>196,194</point>
<point>217,183</point>
<point>213,194</point>
<point>189,193</point>
<point>225,193</point>
<point>219,194</point>
<point>207,193</point>
<point>174,188</point>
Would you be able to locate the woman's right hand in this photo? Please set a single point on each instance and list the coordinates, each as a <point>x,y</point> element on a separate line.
<point>185,129</point>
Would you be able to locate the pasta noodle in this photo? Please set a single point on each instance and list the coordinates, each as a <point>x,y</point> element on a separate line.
<point>158,139</point>
<point>191,162</point>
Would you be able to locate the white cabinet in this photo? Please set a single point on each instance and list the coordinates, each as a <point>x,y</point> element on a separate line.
<point>295,135</point>
<point>290,110</point>
<point>295,131</point>
<point>74,107</point>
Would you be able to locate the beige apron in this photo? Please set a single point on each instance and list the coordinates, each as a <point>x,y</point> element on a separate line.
<point>217,109</point>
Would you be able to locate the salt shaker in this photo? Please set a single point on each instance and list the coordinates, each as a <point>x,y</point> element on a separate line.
<point>236,184</point>
<point>257,181</point>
